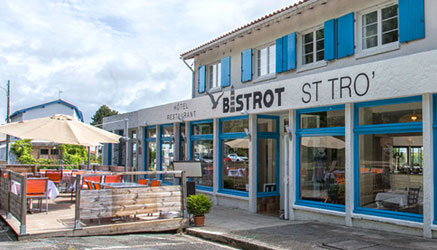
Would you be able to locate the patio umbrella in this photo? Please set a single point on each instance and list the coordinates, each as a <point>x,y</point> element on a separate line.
<point>322,142</point>
<point>60,129</point>
<point>238,143</point>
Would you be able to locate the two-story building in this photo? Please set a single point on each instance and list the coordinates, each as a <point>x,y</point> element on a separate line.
<point>324,110</point>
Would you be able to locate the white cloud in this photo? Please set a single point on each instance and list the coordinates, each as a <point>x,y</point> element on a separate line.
<point>121,53</point>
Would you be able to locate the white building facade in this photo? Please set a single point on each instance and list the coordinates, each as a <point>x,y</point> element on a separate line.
<point>324,110</point>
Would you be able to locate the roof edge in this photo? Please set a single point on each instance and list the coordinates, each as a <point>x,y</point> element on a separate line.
<point>254,24</point>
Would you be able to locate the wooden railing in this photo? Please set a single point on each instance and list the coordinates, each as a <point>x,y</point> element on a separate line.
<point>119,202</point>
<point>14,203</point>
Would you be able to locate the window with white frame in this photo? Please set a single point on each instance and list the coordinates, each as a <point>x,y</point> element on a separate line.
<point>214,75</point>
<point>266,60</point>
<point>379,27</point>
<point>313,46</point>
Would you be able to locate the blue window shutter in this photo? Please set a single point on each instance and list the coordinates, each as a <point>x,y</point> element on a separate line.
<point>246,65</point>
<point>289,52</point>
<point>329,33</point>
<point>279,54</point>
<point>411,20</point>
<point>226,72</point>
<point>201,80</point>
<point>345,35</point>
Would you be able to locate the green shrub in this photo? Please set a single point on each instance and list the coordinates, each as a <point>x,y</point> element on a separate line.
<point>198,205</point>
<point>22,149</point>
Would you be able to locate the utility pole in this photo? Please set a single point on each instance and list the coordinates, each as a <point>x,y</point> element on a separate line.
<point>8,110</point>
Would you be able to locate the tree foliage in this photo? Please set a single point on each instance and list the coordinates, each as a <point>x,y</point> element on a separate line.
<point>103,111</point>
<point>23,149</point>
<point>74,154</point>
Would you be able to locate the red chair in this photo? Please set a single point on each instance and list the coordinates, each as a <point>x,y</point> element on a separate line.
<point>155,183</point>
<point>55,176</point>
<point>113,178</point>
<point>92,179</point>
<point>143,181</point>
<point>37,189</point>
<point>97,186</point>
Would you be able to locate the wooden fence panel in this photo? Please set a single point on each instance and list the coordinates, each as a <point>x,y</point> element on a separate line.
<point>95,204</point>
<point>17,201</point>
<point>5,187</point>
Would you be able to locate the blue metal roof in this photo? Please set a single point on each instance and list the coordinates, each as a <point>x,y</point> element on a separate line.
<point>59,101</point>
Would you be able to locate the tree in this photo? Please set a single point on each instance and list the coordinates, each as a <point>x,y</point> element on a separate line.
<point>103,111</point>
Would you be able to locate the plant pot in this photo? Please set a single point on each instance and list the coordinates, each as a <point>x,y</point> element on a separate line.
<point>199,221</point>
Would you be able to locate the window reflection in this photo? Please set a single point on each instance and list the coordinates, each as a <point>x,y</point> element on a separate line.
<point>235,164</point>
<point>267,165</point>
<point>391,167</point>
<point>322,169</point>
<point>203,152</point>
<point>151,156</point>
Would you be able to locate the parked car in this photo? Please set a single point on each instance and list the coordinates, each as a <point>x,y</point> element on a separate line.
<point>235,157</point>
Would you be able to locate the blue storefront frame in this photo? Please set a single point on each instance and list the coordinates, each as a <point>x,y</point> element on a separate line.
<point>146,141</point>
<point>193,138</point>
<point>434,129</point>
<point>224,136</point>
<point>329,131</point>
<point>391,128</point>
<point>275,136</point>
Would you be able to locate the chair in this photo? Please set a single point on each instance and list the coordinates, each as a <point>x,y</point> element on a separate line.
<point>37,189</point>
<point>413,196</point>
<point>143,181</point>
<point>55,176</point>
<point>96,185</point>
<point>155,183</point>
<point>89,185</point>
<point>92,179</point>
<point>113,178</point>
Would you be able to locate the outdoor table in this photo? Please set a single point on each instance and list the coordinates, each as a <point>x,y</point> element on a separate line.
<point>122,185</point>
<point>397,198</point>
<point>52,190</point>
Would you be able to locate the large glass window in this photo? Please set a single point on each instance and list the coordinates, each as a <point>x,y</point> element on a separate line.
<point>202,150</point>
<point>234,155</point>
<point>393,113</point>
<point>390,158</point>
<point>267,155</point>
<point>391,172</point>
<point>322,169</point>
<point>379,27</point>
<point>313,46</point>
<point>235,160</point>
<point>150,141</point>
<point>266,60</point>
<point>321,154</point>
<point>167,147</point>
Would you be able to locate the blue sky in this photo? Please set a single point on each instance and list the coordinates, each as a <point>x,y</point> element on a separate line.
<point>124,54</point>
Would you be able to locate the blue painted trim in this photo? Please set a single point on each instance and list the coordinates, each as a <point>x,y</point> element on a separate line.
<point>233,192</point>
<point>241,117</point>
<point>59,101</point>
<point>274,136</point>
<point>320,109</point>
<point>434,100</point>
<point>389,214</point>
<point>328,131</point>
<point>224,136</point>
<point>315,204</point>
<point>267,194</point>
<point>204,188</point>
<point>381,129</point>
<point>201,122</point>
<point>109,154</point>
<point>120,153</point>
<point>321,131</point>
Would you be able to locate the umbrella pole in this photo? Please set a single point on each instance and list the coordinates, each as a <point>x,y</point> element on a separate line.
<point>89,154</point>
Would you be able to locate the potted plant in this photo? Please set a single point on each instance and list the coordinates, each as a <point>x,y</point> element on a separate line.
<point>198,205</point>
